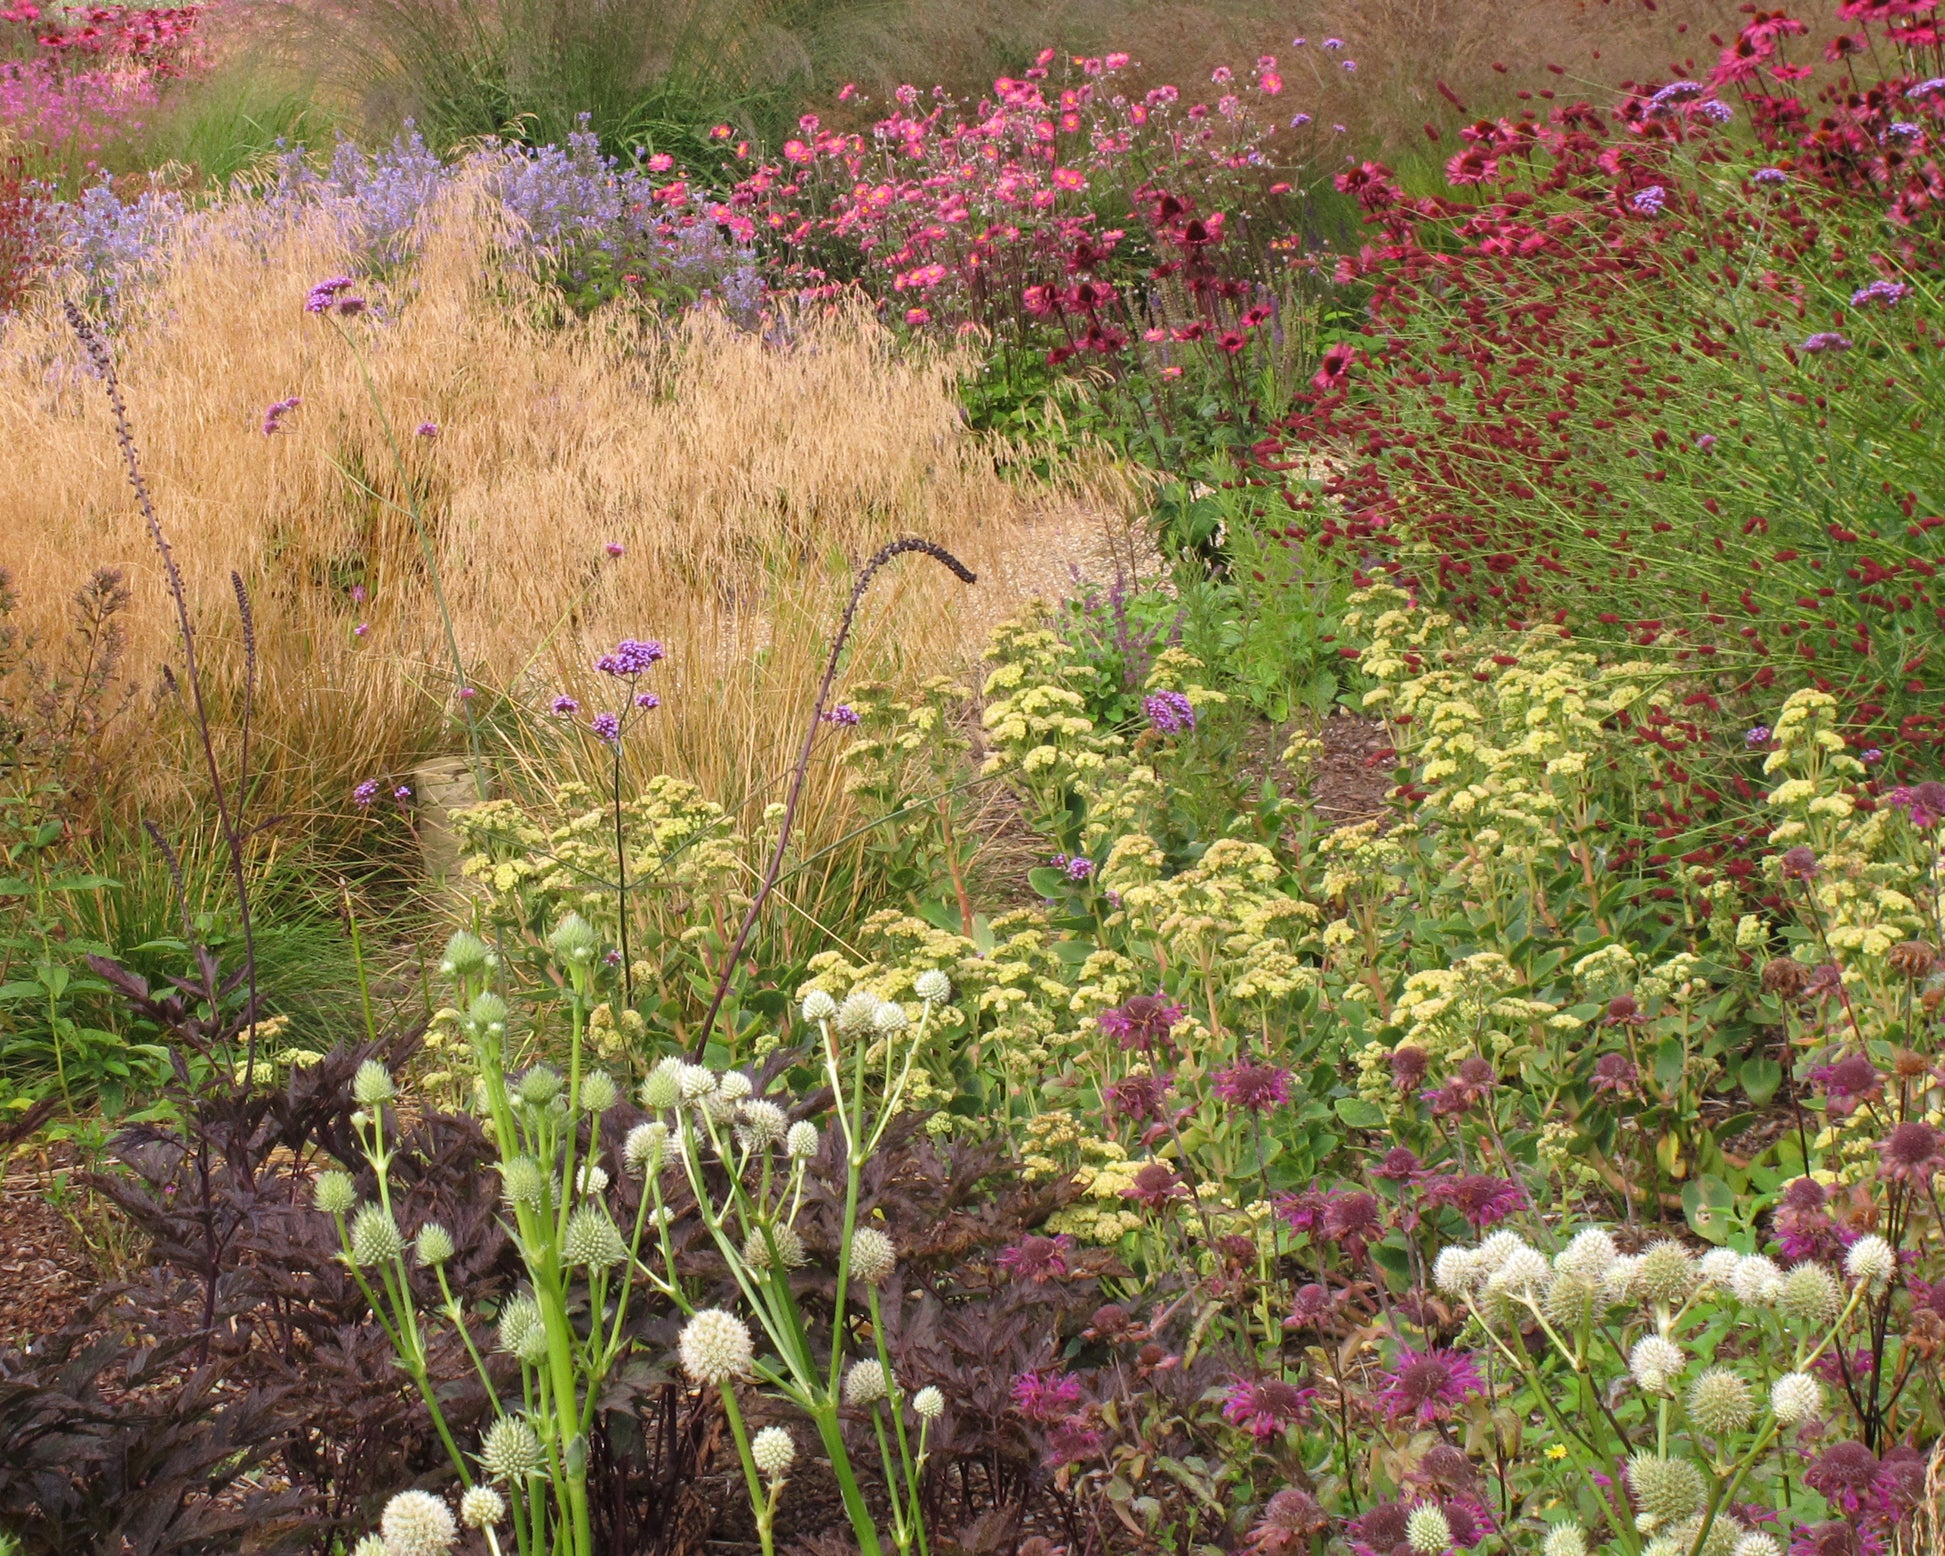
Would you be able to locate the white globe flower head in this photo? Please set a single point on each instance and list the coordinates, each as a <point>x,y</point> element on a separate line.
<point>1756,1281</point>
<point>590,1179</point>
<point>1719,1266</point>
<point>763,1124</point>
<point>734,1085</point>
<point>372,1086</point>
<point>1654,1361</point>
<point>1427,1530</point>
<point>1456,1271</point>
<point>1756,1543</point>
<point>1871,1263</point>
<point>510,1450</point>
<point>715,1346</point>
<point>482,1508</point>
<point>859,1010</point>
<point>873,1257</point>
<point>818,1007</point>
<point>865,1383</point>
<point>1618,1284</point>
<point>1589,1255</point>
<point>1497,1249</point>
<point>801,1141</point>
<point>932,986</point>
<point>774,1452</point>
<point>1796,1397</point>
<point>888,1020</point>
<point>1526,1272</point>
<point>1565,1540</point>
<point>642,1148</point>
<point>929,1403</point>
<point>370,1545</point>
<point>696,1081</point>
<point>416,1523</point>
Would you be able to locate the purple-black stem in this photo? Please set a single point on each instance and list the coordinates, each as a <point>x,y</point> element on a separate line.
<point>885,554</point>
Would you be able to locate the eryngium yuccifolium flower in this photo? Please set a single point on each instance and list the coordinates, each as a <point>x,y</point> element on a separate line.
<point>662,1090</point>
<point>372,1085</point>
<point>519,1324</point>
<point>1497,1249</point>
<point>888,1020</point>
<point>1665,1489</point>
<point>573,941</point>
<point>642,1149</point>
<point>864,1382</point>
<point>467,956</point>
<point>762,1123</point>
<point>773,1452</point>
<point>433,1244</point>
<point>715,1346</point>
<point>1753,1543</point>
<point>1795,1397</point>
<point>482,1508</point>
<point>593,1239</point>
<point>509,1450</point>
<point>1720,1540</point>
<point>1653,1361</point>
<point>1719,1266</point>
<point>872,1256</point>
<point>1589,1256</point>
<point>598,1092</point>
<point>375,1236</point>
<point>487,1015</point>
<point>1667,1273</point>
<point>1456,1271</point>
<point>1871,1262</point>
<point>932,986</point>
<point>370,1545</point>
<point>1565,1540</point>
<point>857,1012</point>
<point>590,1180</point>
<point>1569,1300</point>
<point>1810,1298</point>
<point>819,1006</point>
<point>416,1523</point>
<point>801,1141</point>
<point>1619,1283</point>
<point>521,1181</point>
<point>1757,1280</point>
<point>334,1193</point>
<point>928,1401</point>
<point>540,1086</point>
<point>696,1080</point>
<point>1721,1402</point>
<point>1427,1531</point>
<point>1526,1272</point>
<point>734,1086</point>
<point>790,1248</point>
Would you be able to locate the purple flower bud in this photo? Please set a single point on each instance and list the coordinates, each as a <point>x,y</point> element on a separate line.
<point>607,726</point>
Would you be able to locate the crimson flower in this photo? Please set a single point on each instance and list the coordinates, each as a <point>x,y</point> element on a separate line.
<point>1355,1221</point>
<point>1256,1088</point>
<point>1264,1406</point>
<point>1848,1084</point>
<point>1071,1441</point>
<point>1615,1073</point>
<point>1481,1199</point>
<point>1429,1385</point>
<point>1845,1474</point>
<point>1046,1396</point>
<point>1156,1187</point>
<point>1038,1259</point>
<point>1138,1097</point>
<point>1141,1022</point>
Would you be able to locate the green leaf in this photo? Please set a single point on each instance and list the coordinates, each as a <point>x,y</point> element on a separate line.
<point>1048,881</point>
<point>1709,1204</point>
<point>942,915</point>
<point>1360,1114</point>
<point>1760,1077</point>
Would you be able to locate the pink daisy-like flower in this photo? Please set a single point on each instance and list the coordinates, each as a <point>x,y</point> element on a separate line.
<point>1264,1406</point>
<point>1429,1385</point>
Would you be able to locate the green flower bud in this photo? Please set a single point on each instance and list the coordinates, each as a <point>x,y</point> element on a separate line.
<point>1666,1489</point>
<point>1666,1274</point>
<point>510,1451</point>
<point>375,1236</point>
<point>334,1193</point>
<point>521,1181</point>
<point>1720,1402</point>
<point>540,1086</point>
<point>434,1244</point>
<point>372,1086</point>
<point>487,1015</point>
<point>573,941</point>
<point>598,1092</point>
<point>662,1090</point>
<point>593,1240</point>
<point>467,956</point>
<point>1810,1299</point>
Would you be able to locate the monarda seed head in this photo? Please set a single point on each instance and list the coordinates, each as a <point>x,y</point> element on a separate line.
<point>509,1450</point>
<point>1668,1490</point>
<point>1810,1298</point>
<point>1667,1274</point>
<point>1720,1402</point>
<point>1785,977</point>
<point>416,1523</point>
<point>375,1237</point>
<point>1913,958</point>
<point>872,1256</point>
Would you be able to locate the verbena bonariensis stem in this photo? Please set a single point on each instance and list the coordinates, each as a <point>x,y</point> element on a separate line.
<point>885,554</point>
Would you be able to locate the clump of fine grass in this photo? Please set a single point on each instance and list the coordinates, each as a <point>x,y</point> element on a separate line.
<point>740,474</point>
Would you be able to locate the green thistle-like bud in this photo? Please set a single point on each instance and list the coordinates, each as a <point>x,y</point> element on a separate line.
<point>1667,1273</point>
<point>663,1088</point>
<point>370,1545</point>
<point>540,1086</point>
<point>865,1383</point>
<point>467,956</point>
<point>433,1245</point>
<point>375,1236</point>
<point>574,942</point>
<point>790,1248</point>
<point>1720,1540</point>
<point>416,1523</point>
<point>510,1451</point>
<point>520,1323</point>
<point>487,1015</point>
<point>801,1140</point>
<point>598,1092</point>
<point>1810,1298</point>
<point>372,1086</point>
<point>1668,1490</point>
<point>334,1193</point>
<point>642,1149</point>
<point>1427,1530</point>
<point>1569,1300</point>
<point>593,1239</point>
<point>1565,1540</point>
<point>873,1257</point>
<point>521,1181</point>
<point>1720,1402</point>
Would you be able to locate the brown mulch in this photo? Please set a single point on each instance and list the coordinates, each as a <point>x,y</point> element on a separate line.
<point>45,1271</point>
<point>1353,776</point>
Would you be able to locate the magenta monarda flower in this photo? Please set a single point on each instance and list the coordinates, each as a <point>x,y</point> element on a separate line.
<point>1835,1538</point>
<point>1922,803</point>
<point>1264,1406</point>
<point>1848,1084</point>
<point>1408,1066</point>
<point>1046,1396</point>
<point>1912,1153</point>
<point>1615,1073</point>
<point>1137,1097</point>
<point>1038,1259</point>
<point>1354,1221</point>
<point>1400,1165</point>
<point>1481,1199</point>
<point>1845,1474</point>
<point>1156,1186</point>
<point>1071,1441</point>
<point>1141,1022</point>
<point>1427,1386</point>
<point>1256,1088</point>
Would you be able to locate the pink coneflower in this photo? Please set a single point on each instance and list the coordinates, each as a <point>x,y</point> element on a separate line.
<point>1141,1022</point>
<point>1912,1153</point>
<point>1429,1385</point>
<point>1256,1088</point>
<point>1481,1199</point>
<point>1264,1406</point>
<point>1046,1396</point>
<point>1038,1259</point>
